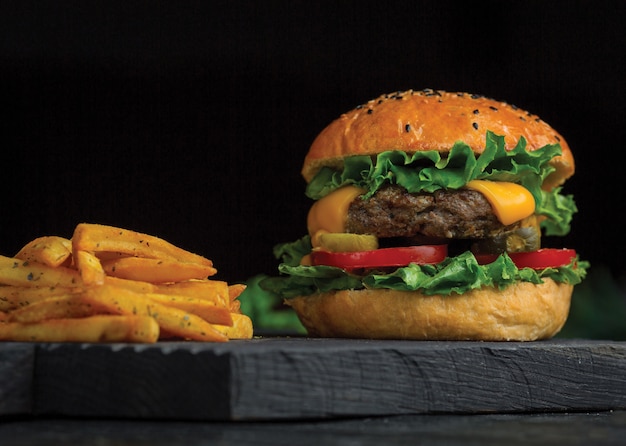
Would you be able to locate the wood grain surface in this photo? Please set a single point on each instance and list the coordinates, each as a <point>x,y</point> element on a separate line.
<point>304,378</point>
<point>550,429</point>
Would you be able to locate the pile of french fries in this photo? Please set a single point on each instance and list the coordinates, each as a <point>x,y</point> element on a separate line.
<point>109,284</point>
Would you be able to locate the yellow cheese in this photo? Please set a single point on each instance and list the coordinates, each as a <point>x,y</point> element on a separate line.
<point>330,212</point>
<point>510,202</point>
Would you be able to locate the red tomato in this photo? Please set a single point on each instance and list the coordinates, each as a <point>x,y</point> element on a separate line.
<point>384,257</point>
<point>540,259</point>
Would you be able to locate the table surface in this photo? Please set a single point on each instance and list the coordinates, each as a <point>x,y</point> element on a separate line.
<point>304,391</point>
<point>571,429</point>
<point>274,379</point>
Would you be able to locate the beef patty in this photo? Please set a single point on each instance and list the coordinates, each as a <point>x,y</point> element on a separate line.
<point>447,214</point>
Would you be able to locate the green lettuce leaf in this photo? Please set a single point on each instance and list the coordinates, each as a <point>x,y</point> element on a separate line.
<point>430,171</point>
<point>454,275</point>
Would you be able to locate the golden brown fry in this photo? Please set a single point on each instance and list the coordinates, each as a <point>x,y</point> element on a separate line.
<point>102,238</point>
<point>50,250</point>
<point>241,328</point>
<point>133,285</point>
<point>12,297</point>
<point>156,270</point>
<point>119,300</point>
<point>206,309</point>
<point>203,298</point>
<point>60,307</point>
<point>89,268</point>
<point>215,291</point>
<point>104,281</point>
<point>23,273</point>
<point>235,290</point>
<point>89,329</point>
<point>235,306</point>
<point>212,290</point>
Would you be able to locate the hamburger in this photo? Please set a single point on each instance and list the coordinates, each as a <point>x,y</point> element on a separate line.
<point>429,210</point>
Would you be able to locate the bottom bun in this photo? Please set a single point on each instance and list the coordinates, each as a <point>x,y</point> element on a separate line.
<point>521,312</point>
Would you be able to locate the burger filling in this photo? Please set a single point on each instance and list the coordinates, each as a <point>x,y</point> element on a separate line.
<point>444,214</point>
<point>481,216</point>
<point>399,218</point>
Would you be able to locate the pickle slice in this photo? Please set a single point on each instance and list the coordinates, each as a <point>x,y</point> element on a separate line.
<point>342,242</point>
<point>522,239</point>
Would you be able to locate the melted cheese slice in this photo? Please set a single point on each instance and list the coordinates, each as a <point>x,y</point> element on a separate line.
<point>329,213</point>
<point>510,202</point>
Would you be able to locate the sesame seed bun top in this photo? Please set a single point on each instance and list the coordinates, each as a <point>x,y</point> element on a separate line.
<point>415,121</point>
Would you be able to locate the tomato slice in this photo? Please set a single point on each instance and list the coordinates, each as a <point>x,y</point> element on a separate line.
<point>540,259</point>
<point>384,257</point>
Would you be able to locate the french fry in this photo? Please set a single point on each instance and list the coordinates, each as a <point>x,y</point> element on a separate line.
<point>241,328</point>
<point>185,296</point>
<point>50,250</point>
<point>70,306</point>
<point>89,268</point>
<point>133,285</point>
<point>101,238</point>
<point>235,290</point>
<point>235,306</point>
<point>12,297</point>
<point>23,273</point>
<point>213,290</point>
<point>216,291</point>
<point>185,325</point>
<point>206,309</point>
<point>89,329</point>
<point>109,284</point>
<point>156,270</point>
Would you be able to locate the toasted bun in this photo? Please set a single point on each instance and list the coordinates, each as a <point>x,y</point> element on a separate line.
<point>415,121</point>
<point>521,312</point>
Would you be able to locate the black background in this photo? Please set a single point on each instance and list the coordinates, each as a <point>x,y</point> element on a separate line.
<point>189,120</point>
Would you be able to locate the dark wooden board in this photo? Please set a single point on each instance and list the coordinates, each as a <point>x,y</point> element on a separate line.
<point>303,378</point>
<point>16,375</point>
<point>550,429</point>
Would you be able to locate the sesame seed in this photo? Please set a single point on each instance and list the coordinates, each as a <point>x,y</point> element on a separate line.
<point>430,92</point>
<point>407,128</point>
<point>475,125</point>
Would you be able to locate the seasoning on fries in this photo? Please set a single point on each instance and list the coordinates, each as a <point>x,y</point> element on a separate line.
<point>109,284</point>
